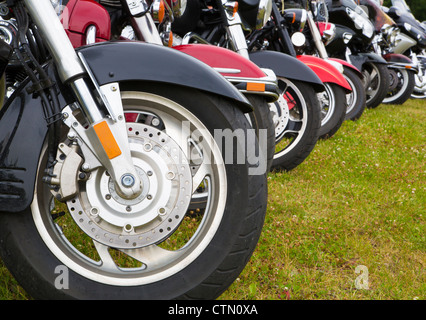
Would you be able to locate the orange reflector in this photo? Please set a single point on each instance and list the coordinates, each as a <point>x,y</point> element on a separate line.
<point>170,43</point>
<point>407,67</point>
<point>294,17</point>
<point>253,86</point>
<point>161,11</point>
<point>107,139</point>
<point>235,8</point>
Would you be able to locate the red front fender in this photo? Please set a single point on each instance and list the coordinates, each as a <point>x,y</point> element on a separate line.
<point>242,72</point>
<point>221,58</point>
<point>325,71</point>
<point>349,65</point>
<point>396,57</point>
<point>78,15</point>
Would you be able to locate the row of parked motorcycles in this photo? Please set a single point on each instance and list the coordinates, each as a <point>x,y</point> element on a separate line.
<point>119,117</point>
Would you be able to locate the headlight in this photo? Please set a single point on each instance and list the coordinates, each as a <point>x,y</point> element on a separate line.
<point>361,22</point>
<point>407,26</point>
<point>263,14</point>
<point>327,31</point>
<point>298,39</point>
<point>347,37</point>
<point>389,33</point>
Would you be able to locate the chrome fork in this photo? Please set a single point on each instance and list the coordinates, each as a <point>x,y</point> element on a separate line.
<point>142,22</point>
<point>104,128</point>
<point>234,28</point>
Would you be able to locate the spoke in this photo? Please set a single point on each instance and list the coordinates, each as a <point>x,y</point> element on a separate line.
<point>178,133</point>
<point>203,170</point>
<point>152,256</point>
<point>107,261</point>
<point>293,126</point>
<point>373,75</point>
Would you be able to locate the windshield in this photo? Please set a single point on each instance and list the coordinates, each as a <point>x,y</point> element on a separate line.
<point>401,5</point>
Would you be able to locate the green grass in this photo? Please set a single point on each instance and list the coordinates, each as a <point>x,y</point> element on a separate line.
<point>358,200</point>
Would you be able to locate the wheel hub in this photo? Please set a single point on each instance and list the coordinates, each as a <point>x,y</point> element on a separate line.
<point>107,217</point>
<point>393,80</point>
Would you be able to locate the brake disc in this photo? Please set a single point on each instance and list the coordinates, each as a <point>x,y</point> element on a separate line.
<point>281,116</point>
<point>107,217</point>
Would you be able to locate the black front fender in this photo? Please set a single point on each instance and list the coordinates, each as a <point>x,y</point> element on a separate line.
<point>399,61</point>
<point>138,61</point>
<point>359,59</point>
<point>23,128</point>
<point>287,67</point>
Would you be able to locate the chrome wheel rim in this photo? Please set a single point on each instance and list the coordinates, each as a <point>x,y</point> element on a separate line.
<point>352,97</point>
<point>372,82</point>
<point>152,261</point>
<point>398,85</point>
<point>290,114</point>
<point>327,103</point>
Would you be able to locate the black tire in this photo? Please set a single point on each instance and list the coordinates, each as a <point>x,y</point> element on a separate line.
<point>377,87</point>
<point>401,86</point>
<point>356,99</point>
<point>297,131</point>
<point>333,110</point>
<point>261,118</point>
<point>202,273</point>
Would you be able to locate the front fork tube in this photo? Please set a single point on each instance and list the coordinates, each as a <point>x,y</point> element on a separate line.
<point>234,29</point>
<point>236,34</point>
<point>142,21</point>
<point>107,130</point>
<point>322,52</point>
<point>145,29</point>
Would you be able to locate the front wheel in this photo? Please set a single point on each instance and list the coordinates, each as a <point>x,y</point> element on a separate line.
<point>376,83</point>
<point>401,86</point>
<point>262,121</point>
<point>297,121</point>
<point>333,109</point>
<point>419,91</point>
<point>355,100</point>
<point>99,245</point>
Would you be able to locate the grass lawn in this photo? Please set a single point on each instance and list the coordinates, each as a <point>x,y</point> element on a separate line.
<point>348,223</point>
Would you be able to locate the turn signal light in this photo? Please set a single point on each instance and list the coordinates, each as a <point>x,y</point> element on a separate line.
<point>158,10</point>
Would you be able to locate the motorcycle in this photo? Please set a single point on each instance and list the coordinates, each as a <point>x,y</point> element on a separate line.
<point>296,113</point>
<point>401,69</point>
<point>410,42</point>
<point>258,85</point>
<point>311,35</point>
<point>276,35</point>
<point>93,202</point>
<point>354,34</point>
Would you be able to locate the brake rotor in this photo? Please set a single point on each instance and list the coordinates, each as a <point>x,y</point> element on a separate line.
<point>281,116</point>
<point>151,217</point>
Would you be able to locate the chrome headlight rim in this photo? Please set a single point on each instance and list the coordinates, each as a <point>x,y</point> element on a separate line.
<point>390,33</point>
<point>361,21</point>
<point>179,7</point>
<point>264,13</point>
<point>329,34</point>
